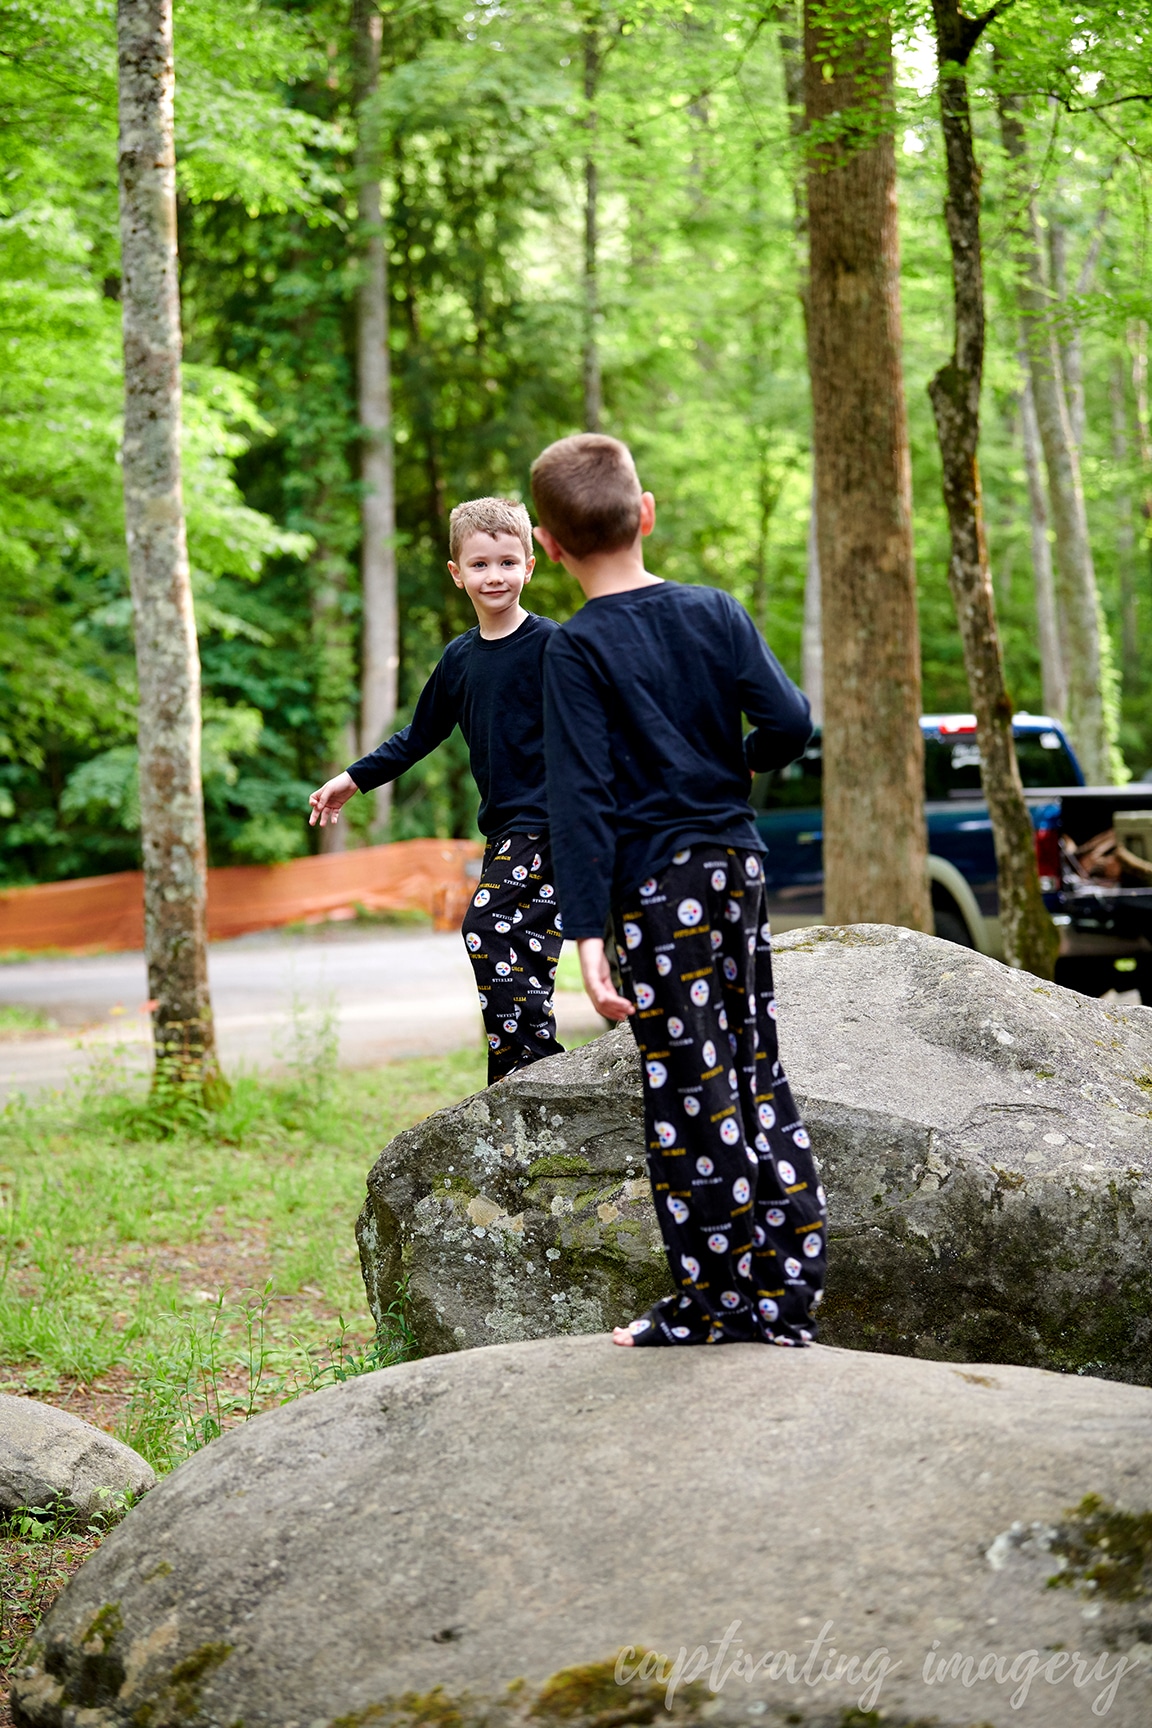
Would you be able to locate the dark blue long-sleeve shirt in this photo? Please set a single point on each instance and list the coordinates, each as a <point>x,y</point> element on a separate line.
<point>643,697</point>
<point>493,690</point>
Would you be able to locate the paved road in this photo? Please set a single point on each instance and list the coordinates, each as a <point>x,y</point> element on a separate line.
<point>400,993</point>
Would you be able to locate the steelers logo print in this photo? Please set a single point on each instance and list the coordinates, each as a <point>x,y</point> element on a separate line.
<point>516,1004</point>
<point>734,1181</point>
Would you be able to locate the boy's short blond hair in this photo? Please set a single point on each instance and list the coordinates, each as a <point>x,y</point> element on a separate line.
<point>587,493</point>
<point>488,516</point>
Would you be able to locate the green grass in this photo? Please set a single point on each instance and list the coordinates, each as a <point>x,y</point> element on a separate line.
<point>16,1020</point>
<point>191,1268</point>
<point>568,975</point>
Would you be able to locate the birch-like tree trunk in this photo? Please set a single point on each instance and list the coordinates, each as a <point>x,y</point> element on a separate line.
<point>1067,335</point>
<point>1029,936</point>
<point>167,658</point>
<point>875,843</point>
<point>380,653</point>
<point>593,391</point>
<point>1084,649</point>
<point>1125,529</point>
<point>1048,632</point>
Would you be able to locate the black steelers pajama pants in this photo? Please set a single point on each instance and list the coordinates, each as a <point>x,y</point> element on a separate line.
<point>512,931</point>
<point>734,1181</point>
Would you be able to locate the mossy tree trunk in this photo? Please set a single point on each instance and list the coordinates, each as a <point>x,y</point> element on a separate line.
<point>875,843</point>
<point>380,653</point>
<point>1049,637</point>
<point>1085,650</point>
<point>1029,937</point>
<point>167,657</point>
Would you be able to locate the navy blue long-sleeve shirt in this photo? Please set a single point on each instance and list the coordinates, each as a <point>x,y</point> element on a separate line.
<point>493,690</point>
<point>643,697</point>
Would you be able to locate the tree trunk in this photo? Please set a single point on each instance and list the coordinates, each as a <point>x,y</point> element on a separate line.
<point>1125,531</point>
<point>812,640</point>
<point>1138,347</point>
<point>380,623</point>
<point>875,844</point>
<point>593,395</point>
<point>1048,633</point>
<point>1029,936</point>
<point>1084,649</point>
<point>1067,335</point>
<point>167,659</point>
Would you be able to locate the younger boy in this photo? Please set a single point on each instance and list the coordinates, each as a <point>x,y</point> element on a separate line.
<point>648,781</point>
<point>489,683</point>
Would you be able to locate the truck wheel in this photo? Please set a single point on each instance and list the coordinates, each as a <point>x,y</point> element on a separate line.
<point>950,927</point>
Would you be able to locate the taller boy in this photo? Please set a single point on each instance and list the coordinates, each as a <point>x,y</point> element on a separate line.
<point>489,683</point>
<point>648,781</point>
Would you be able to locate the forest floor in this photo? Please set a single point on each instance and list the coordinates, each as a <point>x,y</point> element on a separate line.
<point>167,1278</point>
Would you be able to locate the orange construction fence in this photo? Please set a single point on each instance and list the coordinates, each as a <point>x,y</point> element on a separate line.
<point>102,912</point>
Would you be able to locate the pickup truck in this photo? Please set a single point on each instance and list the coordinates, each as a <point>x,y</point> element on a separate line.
<point>1102,908</point>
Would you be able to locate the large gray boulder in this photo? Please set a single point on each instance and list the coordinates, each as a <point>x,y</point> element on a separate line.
<point>985,1139</point>
<point>49,1457</point>
<point>470,1540</point>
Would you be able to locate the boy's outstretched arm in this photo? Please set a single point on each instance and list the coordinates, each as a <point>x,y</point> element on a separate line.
<point>437,712</point>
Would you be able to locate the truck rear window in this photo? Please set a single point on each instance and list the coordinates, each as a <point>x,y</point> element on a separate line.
<point>951,770</point>
<point>952,765</point>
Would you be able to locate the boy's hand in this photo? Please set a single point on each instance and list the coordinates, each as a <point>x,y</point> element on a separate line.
<point>331,798</point>
<point>598,980</point>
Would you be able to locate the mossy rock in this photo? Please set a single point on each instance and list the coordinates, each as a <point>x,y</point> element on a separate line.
<point>986,1144</point>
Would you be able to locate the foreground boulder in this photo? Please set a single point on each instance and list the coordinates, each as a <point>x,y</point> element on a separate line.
<point>49,1458</point>
<point>470,1540</point>
<point>985,1139</point>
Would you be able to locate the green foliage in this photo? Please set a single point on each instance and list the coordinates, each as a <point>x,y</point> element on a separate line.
<point>481,130</point>
<point>210,1261</point>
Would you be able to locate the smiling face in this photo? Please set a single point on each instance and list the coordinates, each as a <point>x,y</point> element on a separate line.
<point>493,571</point>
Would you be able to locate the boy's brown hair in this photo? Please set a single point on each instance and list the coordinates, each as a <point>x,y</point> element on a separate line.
<point>488,516</point>
<point>587,493</point>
